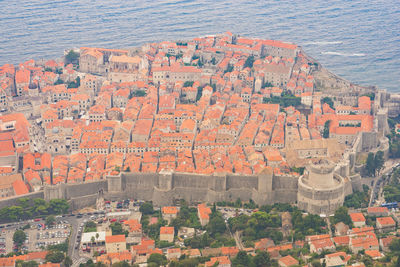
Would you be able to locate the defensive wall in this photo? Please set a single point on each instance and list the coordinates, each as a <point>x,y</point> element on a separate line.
<point>165,187</point>
<point>321,189</point>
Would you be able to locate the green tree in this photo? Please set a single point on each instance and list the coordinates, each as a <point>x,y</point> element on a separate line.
<point>50,220</point>
<point>249,62</point>
<point>229,68</point>
<point>241,259</point>
<point>90,226</point>
<point>164,244</point>
<point>40,206</point>
<point>370,95</point>
<point>326,129</point>
<point>238,203</point>
<point>75,84</point>
<point>116,229</point>
<point>188,84</point>
<point>199,93</point>
<point>14,213</point>
<point>327,100</point>
<point>262,259</point>
<point>316,263</point>
<point>55,256</point>
<point>284,101</point>
<point>370,164</point>
<point>358,199</point>
<point>157,259</point>
<point>146,208</point>
<point>23,203</point>
<point>379,161</point>
<point>72,57</point>
<point>368,261</point>
<point>20,263</point>
<point>268,84</point>
<point>68,261</point>
<point>19,238</point>
<point>58,206</point>
<point>395,246</point>
<point>216,224</point>
<point>63,247</point>
<point>137,93</point>
<point>121,264</point>
<point>307,225</point>
<point>342,215</point>
<point>59,81</point>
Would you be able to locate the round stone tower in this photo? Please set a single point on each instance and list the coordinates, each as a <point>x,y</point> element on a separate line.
<point>320,189</point>
<point>321,175</point>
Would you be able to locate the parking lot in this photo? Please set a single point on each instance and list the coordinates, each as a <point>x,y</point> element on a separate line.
<point>38,236</point>
<point>127,204</point>
<point>228,212</point>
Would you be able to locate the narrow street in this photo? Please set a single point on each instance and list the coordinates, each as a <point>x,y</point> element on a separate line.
<point>236,236</point>
<point>376,191</point>
<point>238,240</point>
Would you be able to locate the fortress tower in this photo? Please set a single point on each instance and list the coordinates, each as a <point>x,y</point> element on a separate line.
<point>320,190</point>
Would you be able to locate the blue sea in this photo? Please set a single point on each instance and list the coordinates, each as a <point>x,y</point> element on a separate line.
<point>358,40</point>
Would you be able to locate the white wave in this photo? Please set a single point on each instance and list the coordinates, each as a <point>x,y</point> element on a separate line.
<point>324,43</point>
<point>343,54</point>
<point>333,53</point>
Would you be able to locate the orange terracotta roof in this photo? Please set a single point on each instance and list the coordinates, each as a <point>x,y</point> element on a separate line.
<point>223,260</point>
<point>378,210</point>
<point>373,253</point>
<point>288,261</point>
<point>50,264</point>
<point>204,211</point>
<point>341,240</point>
<point>229,251</point>
<point>385,221</point>
<point>115,239</point>
<point>134,225</point>
<point>169,210</point>
<point>357,217</point>
<point>165,230</point>
<point>20,188</point>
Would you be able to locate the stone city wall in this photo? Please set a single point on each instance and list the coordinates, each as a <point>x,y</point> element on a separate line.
<point>166,187</point>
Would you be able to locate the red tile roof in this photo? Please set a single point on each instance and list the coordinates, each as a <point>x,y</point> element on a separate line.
<point>20,188</point>
<point>115,239</point>
<point>357,217</point>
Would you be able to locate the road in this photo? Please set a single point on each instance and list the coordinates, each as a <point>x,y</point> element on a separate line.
<point>73,253</point>
<point>379,182</point>
<point>74,241</point>
<point>238,240</point>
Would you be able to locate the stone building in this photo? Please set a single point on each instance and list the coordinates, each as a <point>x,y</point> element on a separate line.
<point>320,189</point>
<point>127,69</point>
<point>115,243</point>
<point>176,73</point>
